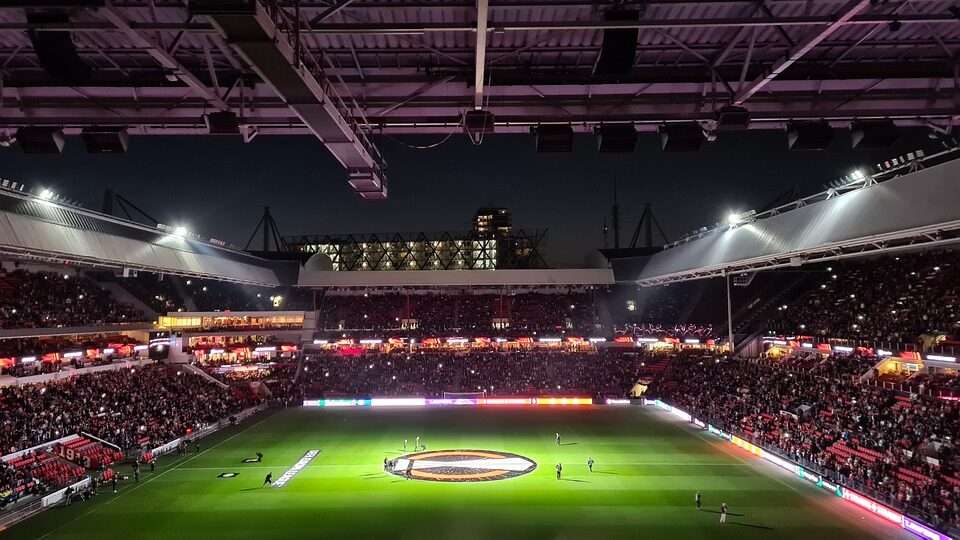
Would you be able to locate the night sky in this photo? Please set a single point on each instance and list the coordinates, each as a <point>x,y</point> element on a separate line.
<point>218,186</point>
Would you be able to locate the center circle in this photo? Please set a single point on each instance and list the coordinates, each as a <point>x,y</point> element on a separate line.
<point>460,465</point>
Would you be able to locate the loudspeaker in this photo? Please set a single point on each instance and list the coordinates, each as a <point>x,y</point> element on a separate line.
<point>616,138</point>
<point>732,118</point>
<point>814,135</point>
<point>40,140</point>
<point>223,7</point>
<point>619,45</point>
<point>222,123</point>
<point>872,134</point>
<point>686,137</point>
<point>480,122</point>
<point>55,49</point>
<point>105,140</point>
<point>554,139</point>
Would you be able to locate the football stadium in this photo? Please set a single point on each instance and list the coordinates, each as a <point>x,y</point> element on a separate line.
<point>651,269</point>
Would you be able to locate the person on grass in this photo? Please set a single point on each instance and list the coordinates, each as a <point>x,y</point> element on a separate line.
<point>559,470</point>
<point>696,498</point>
<point>723,512</point>
<point>590,464</point>
<point>268,480</point>
<point>259,457</point>
<point>558,438</point>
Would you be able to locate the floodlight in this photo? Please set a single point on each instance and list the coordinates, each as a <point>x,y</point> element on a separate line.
<point>180,231</point>
<point>733,218</point>
<point>46,194</point>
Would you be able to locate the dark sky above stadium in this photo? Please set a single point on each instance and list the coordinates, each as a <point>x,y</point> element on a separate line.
<point>218,186</point>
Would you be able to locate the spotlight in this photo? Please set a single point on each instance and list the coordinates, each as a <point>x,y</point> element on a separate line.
<point>733,218</point>
<point>181,231</point>
<point>46,194</point>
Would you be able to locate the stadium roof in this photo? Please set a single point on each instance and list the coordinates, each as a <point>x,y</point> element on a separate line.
<point>42,228</point>
<point>919,209</point>
<point>385,66</point>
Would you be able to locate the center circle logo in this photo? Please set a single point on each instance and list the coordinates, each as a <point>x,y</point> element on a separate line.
<point>460,465</point>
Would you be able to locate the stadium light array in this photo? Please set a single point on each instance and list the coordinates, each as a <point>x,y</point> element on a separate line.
<point>733,218</point>
<point>46,194</point>
<point>180,231</point>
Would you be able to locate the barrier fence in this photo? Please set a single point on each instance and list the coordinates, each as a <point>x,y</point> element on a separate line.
<point>828,480</point>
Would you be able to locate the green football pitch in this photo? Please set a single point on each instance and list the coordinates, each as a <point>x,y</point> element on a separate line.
<point>647,469</point>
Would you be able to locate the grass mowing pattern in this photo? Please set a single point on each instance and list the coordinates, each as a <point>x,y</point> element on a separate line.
<point>647,469</point>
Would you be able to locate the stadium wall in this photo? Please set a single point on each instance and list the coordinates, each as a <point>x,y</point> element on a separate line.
<point>919,203</point>
<point>456,278</point>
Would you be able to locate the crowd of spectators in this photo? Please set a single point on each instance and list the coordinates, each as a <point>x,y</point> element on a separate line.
<point>460,310</point>
<point>699,331</point>
<point>50,300</point>
<point>889,299</point>
<point>221,296</point>
<point>174,293</point>
<point>15,483</point>
<point>900,449</point>
<point>128,407</point>
<point>431,374</point>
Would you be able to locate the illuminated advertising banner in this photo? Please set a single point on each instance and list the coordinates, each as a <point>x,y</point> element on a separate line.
<point>563,401</point>
<point>782,463</point>
<point>749,447</point>
<point>505,401</point>
<point>922,530</point>
<point>873,506</point>
<point>716,431</point>
<point>398,402</point>
<point>809,476</point>
<point>423,402</point>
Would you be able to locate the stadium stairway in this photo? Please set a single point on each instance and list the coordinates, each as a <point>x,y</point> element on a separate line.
<point>194,369</point>
<point>300,364</point>
<point>182,291</point>
<point>773,293</point>
<point>124,296</point>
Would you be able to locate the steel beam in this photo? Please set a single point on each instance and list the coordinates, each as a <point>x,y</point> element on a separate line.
<point>419,28</point>
<point>481,54</point>
<point>848,12</point>
<point>165,59</point>
<point>258,39</point>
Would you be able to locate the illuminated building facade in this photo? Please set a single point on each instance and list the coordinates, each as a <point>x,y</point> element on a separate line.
<point>491,244</point>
